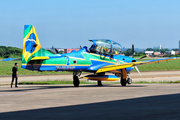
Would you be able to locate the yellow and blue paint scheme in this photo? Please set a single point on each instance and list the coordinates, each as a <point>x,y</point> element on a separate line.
<point>102,77</point>
<point>102,57</point>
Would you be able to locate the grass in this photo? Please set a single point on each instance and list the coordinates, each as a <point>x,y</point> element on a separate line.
<point>14,56</point>
<point>1,58</point>
<point>170,65</point>
<point>48,82</point>
<point>6,68</point>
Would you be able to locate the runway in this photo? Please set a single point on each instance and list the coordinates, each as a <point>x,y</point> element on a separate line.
<point>146,76</point>
<point>111,101</point>
<point>136,101</point>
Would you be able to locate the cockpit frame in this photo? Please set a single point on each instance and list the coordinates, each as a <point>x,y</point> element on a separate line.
<point>105,46</point>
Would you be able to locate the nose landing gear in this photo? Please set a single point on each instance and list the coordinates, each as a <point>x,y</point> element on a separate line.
<point>129,80</point>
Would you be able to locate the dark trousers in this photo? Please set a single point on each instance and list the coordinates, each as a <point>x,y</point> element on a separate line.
<point>14,76</point>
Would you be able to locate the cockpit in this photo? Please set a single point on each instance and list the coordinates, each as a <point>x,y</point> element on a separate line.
<point>105,46</point>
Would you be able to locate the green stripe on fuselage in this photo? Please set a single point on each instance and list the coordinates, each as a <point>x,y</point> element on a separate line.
<point>86,61</point>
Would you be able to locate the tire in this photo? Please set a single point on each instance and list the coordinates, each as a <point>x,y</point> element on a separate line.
<point>129,80</point>
<point>123,82</point>
<point>76,81</point>
<point>99,83</point>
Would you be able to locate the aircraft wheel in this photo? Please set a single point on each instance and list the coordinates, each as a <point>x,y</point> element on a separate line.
<point>99,83</point>
<point>76,81</point>
<point>129,80</point>
<point>123,82</point>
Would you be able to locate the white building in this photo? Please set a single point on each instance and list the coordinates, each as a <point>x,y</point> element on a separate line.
<point>170,52</point>
<point>149,52</point>
<point>159,46</point>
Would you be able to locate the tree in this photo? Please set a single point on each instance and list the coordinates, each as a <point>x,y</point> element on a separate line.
<point>61,52</point>
<point>128,52</point>
<point>175,49</point>
<point>139,54</point>
<point>8,51</point>
<point>149,49</point>
<point>157,50</point>
<point>2,52</point>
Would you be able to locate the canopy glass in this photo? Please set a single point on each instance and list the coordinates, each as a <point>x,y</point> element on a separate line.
<point>105,46</point>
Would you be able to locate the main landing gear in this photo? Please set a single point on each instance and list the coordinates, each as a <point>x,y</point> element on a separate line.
<point>123,81</point>
<point>76,81</point>
<point>125,78</point>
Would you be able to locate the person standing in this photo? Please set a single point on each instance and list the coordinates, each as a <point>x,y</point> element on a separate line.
<point>14,74</point>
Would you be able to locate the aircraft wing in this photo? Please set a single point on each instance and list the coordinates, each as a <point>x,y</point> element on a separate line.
<point>126,65</point>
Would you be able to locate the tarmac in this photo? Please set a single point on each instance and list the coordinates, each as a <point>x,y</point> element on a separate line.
<point>55,102</point>
<point>110,101</point>
<point>149,76</point>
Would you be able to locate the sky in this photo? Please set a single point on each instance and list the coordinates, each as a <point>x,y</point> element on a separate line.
<point>71,23</point>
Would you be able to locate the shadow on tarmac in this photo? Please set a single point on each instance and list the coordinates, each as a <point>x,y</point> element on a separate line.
<point>40,87</point>
<point>163,107</point>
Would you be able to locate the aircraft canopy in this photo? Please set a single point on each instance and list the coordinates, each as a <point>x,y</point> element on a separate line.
<point>105,46</point>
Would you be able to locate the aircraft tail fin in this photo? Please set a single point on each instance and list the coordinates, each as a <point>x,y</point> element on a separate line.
<point>32,49</point>
<point>31,43</point>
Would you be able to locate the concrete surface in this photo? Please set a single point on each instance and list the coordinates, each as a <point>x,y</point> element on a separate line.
<point>89,102</point>
<point>146,76</point>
